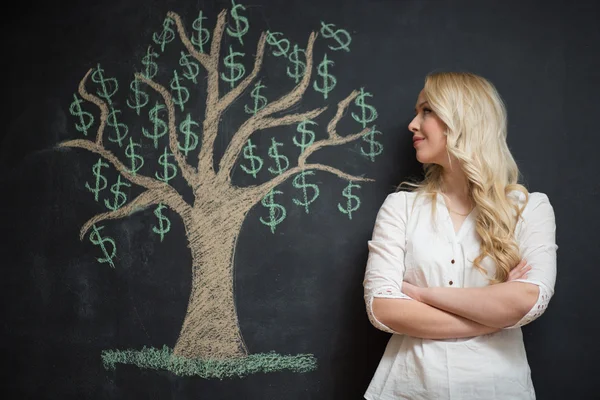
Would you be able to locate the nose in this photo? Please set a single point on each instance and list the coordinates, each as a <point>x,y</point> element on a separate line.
<point>413,126</point>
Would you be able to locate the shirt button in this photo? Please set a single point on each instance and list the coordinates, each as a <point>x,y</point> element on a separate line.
<point>450,283</point>
<point>452,261</point>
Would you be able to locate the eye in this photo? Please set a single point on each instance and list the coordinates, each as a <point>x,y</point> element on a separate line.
<point>426,110</point>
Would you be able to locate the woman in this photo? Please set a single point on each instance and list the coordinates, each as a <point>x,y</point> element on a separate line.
<point>457,265</point>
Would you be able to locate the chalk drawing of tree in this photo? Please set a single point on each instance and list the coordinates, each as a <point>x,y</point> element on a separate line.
<point>214,218</point>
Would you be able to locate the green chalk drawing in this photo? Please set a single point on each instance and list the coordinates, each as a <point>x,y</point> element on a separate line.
<point>236,70</point>
<point>241,23</point>
<point>96,170</point>
<point>86,119</point>
<point>169,171</point>
<point>98,240</point>
<point>341,36</point>
<point>298,66</point>
<point>280,49</point>
<point>191,137</point>
<point>274,154</point>
<point>135,160</point>
<point>166,36</point>
<point>120,197</point>
<point>254,160</point>
<point>164,225</point>
<point>120,130</point>
<point>350,207</point>
<point>192,69</point>
<point>202,35</point>
<point>299,182</point>
<point>164,359</point>
<point>140,98</point>
<point>375,148</point>
<point>160,127</point>
<point>277,212</point>
<point>108,86</point>
<point>368,114</point>
<point>180,93</point>
<point>329,80</point>
<point>260,101</point>
<point>151,67</point>
<point>308,135</point>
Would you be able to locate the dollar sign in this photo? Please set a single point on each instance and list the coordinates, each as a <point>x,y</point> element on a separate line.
<point>248,155</point>
<point>241,23</point>
<point>375,148</point>
<point>190,136</point>
<point>274,153</point>
<point>260,101</point>
<point>148,61</point>
<point>76,111</point>
<point>120,197</point>
<point>303,143</point>
<point>139,96</point>
<point>96,170</point>
<point>108,86</point>
<point>163,222</point>
<point>169,170</point>
<point>299,182</point>
<point>166,36</point>
<point>347,193</point>
<point>277,212</point>
<point>368,112</point>
<point>341,36</point>
<point>282,49</point>
<point>98,240</point>
<point>236,69</point>
<point>182,95</point>
<point>192,68</point>
<point>298,66</point>
<point>329,80</point>
<point>160,126</point>
<point>202,33</point>
<point>133,157</point>
<point>120,129</point>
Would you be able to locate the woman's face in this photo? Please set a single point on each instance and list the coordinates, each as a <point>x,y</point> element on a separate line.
<point>428,134</point>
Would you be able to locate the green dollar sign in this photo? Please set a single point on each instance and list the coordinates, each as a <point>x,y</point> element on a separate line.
<point>281,49</point>
<point>135,159</point>
<point>241,23</point>
<point>166,36</point>
<point>191,138</point>
<point>341,36</point>
<point>182,95</point>
<point>260,101</point>
<point>298,66</point>
<point>236,69</point>
<point>160,126</point>
<point>169,170</point>
<point>248,155</point>
<point>140,98</point>
<point>375,148</point>
<point>151,66</point>
<point>108,86</point>
<point>96,170</point>
<point>277,212</point>
<point>303,143</point>
<point>347,193</point>
<point>163,222</point>
<point>76,111</point>
<point>120,197</point>
<point>120,129</point>
<point>368,112</point>
<point>203,34</point>
<point>299,182</point>
<point>98,240</point>
<point>274,154</point>
<point>191,68</point>
<point>329,80</point>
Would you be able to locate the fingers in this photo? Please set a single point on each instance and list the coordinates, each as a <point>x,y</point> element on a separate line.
<point>520,271</point>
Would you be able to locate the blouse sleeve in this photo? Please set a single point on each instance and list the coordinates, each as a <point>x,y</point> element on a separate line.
<point>537,242</point>
<point>385,265</point>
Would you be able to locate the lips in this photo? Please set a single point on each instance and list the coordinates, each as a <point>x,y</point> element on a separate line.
<point>416,141</point>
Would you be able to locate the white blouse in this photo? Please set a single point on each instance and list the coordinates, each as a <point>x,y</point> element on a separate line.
<point>408,245</point>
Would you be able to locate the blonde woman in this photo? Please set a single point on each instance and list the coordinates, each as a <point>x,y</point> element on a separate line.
<point>461,261</point>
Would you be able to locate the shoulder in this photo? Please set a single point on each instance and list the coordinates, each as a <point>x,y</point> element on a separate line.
<point>533,201</point>
<point>538,213</point>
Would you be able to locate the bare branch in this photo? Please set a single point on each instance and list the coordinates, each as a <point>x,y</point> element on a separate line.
<point>204,59</point>
<point>102,105</point>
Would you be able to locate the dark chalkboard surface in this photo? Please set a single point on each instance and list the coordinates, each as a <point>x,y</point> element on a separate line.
<point>188,187</point>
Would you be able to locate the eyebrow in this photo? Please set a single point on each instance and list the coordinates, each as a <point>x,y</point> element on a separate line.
<point>416,109</point>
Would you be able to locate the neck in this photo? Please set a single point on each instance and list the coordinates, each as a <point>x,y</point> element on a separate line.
<point>455,183</point>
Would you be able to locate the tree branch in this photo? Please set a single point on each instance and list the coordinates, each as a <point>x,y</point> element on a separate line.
<point>101,104</point>
<point>204,59</point>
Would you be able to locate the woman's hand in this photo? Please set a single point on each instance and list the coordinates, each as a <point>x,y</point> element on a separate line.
<point>411,290</point>
<point>519,272</point>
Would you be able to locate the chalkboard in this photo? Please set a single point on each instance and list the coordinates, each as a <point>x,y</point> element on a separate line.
<point>188,187</point>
